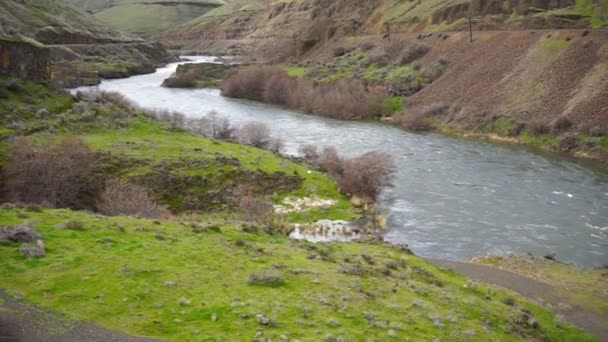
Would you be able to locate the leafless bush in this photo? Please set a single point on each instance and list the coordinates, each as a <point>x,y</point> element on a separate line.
<point>57,174</point>
<point>265,278</point>
<point>310,153</point>
<point>214,125</point>
<point>256,134</point>
<point>366,175</point>
<point>121,198</point>
<point>560,124</point>
<point>175,120</point>
<point>413,52</point>
<point>345,99</point>
<point>330,161</point>
<point>276,144</point>
<point>415,122</point>
<point>395,47</point>
<point>537,128</point>
<point>106,96</point>
<point>255,209</point>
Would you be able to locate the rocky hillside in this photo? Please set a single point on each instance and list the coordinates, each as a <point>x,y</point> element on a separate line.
<point>82,49</point>
<point>319,20</point>
<point>146,17</point>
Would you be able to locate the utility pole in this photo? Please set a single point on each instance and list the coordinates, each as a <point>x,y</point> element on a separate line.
<point>471,22</point>
<point>388,31</point>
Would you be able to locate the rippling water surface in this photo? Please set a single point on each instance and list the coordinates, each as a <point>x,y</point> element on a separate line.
<point>453,198</point>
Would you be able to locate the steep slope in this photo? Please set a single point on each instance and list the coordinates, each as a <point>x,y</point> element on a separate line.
<point>146,17</point>
<point>323,19</point>
<point>82,49</point>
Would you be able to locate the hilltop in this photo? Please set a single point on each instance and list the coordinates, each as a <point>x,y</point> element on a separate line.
<point>146,17</point>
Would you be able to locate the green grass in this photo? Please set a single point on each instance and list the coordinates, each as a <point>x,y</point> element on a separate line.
<point>296,71</point>
<point>117,279</point>
<point>542,141</point>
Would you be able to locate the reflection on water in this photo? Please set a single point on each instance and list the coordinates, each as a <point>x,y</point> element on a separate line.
<point>453,198</point>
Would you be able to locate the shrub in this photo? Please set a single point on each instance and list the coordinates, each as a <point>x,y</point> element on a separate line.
<point>560,124</point>
<point>254,209</point>
<point>413,52</point>
<point>345,99</point>
<point>265,278</point>
<point>366,175</point>
<point>415,122</point>
<point>395,47</point>
<point>121,198</point>
<point>256,134</point>
<point>537,127</point>
<point>175,120</point>
<point>310,153</point>
<point>431,72</point>
<point>57,174</point>
<point>367,45</point>
<point>74,225</point>
<point>330,161</point>
<point>21,233</point>
<point>214,125</point>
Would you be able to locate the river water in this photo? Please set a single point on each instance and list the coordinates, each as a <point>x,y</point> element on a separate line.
<point>453,198</point>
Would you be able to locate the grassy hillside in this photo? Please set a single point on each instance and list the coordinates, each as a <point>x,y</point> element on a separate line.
<point>53,22</point>
<point>165,280</point>
<point>146,17</point>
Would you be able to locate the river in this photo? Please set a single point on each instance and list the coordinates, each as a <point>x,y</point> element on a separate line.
<point>453,198</point>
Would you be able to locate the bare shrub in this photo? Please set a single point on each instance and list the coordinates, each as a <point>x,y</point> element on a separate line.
<point>175,120</point>
<point>310,153</point>
<point>537,128</point>
<point>250,82</point>
<point>330,161</point>
<point>415,122</point>
<point>395,47</point>
<point>561,124</point>
<point>276,144</point>
<point>256,134</point>
<point>255,209</point>
<point>21,233</point>
<point>436,109</point>
<point>57,174</point>
<point>214,125</point>
<point>366,175</point>
<point>345,99</point>
<point>106,96</point>
<point>121,198</point>
<point>413,52</point>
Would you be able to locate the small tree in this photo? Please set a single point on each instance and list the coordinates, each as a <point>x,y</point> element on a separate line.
<point>366,175</point>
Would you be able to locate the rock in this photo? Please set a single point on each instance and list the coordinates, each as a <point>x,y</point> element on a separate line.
<point>169,284</point>
<point>262,319</point>
<point>105,240</point>
<point>213,317</point>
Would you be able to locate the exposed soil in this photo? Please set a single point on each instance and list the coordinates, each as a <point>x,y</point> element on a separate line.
<point>539,292</point>
<point>24,323</point>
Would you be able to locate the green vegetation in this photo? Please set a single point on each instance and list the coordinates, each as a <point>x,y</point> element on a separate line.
<point>163,279</point>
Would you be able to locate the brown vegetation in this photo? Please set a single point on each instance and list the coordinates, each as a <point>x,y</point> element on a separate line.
<point>363,176</point>
<point>345,99</point>
<point>56,174</point>
<point>121,198</point>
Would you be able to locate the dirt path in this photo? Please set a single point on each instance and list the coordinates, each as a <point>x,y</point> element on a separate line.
<point>24,323</point>
<point>536,291</point>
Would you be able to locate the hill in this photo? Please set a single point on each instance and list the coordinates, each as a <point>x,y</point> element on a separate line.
<point>146,17</point>
<point>322,20</point>
<point>81,48</point>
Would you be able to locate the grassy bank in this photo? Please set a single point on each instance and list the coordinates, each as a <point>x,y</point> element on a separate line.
<point>168,280</point>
